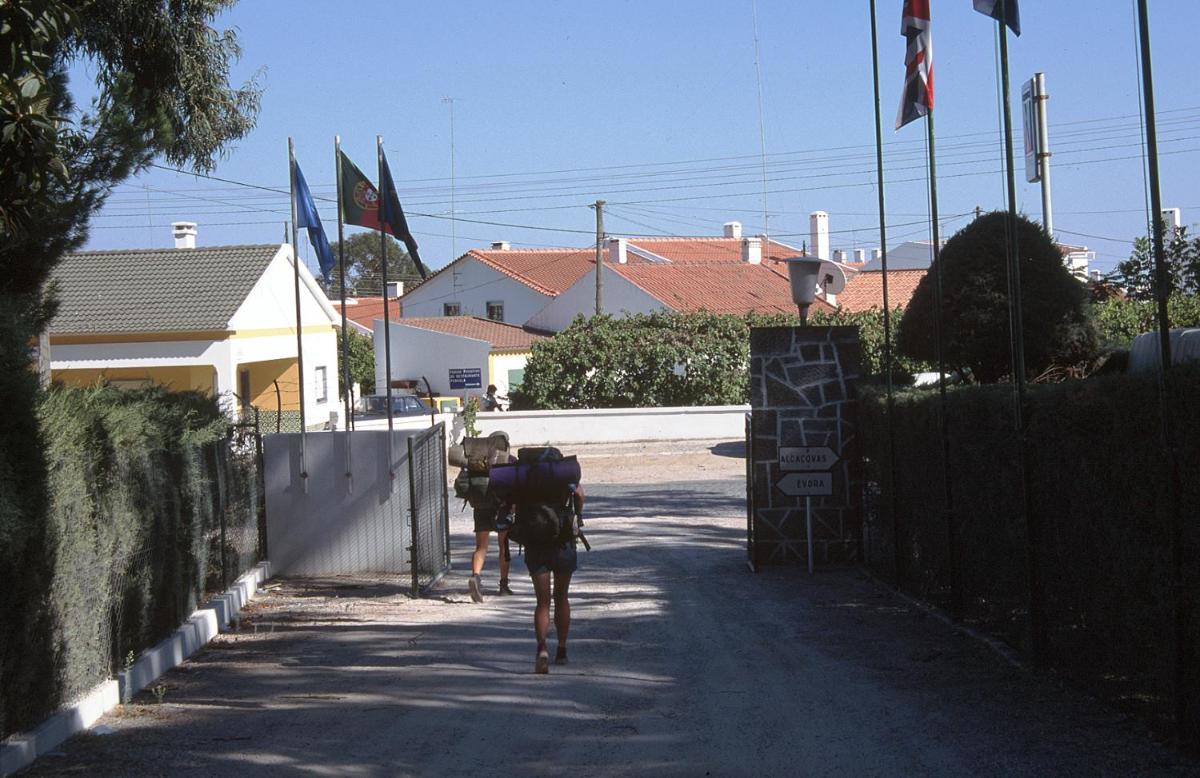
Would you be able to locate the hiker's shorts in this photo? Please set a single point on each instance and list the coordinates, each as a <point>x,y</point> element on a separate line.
<point>485,518</point>
<point>560,560</point>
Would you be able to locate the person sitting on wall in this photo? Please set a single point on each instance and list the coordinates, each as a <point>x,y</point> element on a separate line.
<point>491,399</point>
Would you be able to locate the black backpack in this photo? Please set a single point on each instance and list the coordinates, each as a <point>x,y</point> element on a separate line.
<point>544,512</point>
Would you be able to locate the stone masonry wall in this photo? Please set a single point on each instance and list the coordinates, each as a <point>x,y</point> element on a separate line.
<point>803,388</point>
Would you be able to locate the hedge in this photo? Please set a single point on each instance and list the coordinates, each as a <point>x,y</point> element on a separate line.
<point>127,536</point>
<point>1098,489</point>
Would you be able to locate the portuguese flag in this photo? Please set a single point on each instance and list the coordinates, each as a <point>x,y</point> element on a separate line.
<point>360,206</point>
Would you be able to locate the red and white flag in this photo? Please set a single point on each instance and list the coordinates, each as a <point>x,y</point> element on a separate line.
<point>917,99</point>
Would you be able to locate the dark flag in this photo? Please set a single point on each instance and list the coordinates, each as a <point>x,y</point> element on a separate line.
<point>992,8</point>
<point>307,216</point>
<point>917,99</point>
<point>360,207</point>
<point>392,215</point>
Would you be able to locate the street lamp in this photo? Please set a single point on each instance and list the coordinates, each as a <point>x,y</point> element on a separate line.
<point>802,273</point>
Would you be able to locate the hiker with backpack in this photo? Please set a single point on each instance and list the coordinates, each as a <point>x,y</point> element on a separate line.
<point>491,513</point>
<point>543,486</point>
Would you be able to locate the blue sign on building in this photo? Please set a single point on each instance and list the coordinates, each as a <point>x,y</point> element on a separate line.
<point>466,378</point>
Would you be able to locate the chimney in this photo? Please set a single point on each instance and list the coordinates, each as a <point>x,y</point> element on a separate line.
<point>839,256</point>
<point>500,245</point>
<point>395,289</point>
<point>818,234</point>
<point>876,253</point>
<point>860,256</point>
<point>752,250</point>
<point>733,229</point>
<point>618,251</point>
<point>185,234</point>
<point>1172,217</point>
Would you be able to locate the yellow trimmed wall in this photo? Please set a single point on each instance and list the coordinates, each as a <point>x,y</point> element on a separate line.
<point>179,379</point>
<point>262,387</point>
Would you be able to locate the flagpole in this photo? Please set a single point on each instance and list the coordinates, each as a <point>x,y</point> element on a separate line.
<point>1014,265</point>
<point>387,319</point>
<point>337,155</point>
<point>1186,703</point>
<point>1038,634</point>
<point>299,323</point>
<point>887,312</point>
<point>956,604</point>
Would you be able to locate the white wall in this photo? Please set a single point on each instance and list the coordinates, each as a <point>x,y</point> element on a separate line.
<point>618,425</point>
<point>620,296</point>
<point>477,284</point>
<point>272,301</point>
<point>418,352</point>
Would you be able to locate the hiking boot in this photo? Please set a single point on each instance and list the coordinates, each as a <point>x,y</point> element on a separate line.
<point>475,586</point>
<point>542,665</point>
<point>560,656</point>
<point>504,587</point>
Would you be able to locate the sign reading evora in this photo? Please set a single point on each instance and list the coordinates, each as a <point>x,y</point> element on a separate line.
<point>807,458</point>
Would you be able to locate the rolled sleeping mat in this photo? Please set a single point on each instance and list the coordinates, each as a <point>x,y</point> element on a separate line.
<point>457,456</point>
<point>546,480</point>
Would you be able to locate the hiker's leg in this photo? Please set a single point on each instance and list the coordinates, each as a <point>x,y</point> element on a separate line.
<point>481,546</point>
<point>502,537</point>
<point>562,610</point>
<point>541,612</point>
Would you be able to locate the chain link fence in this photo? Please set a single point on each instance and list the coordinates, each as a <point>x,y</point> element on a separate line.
<point>429,512</point>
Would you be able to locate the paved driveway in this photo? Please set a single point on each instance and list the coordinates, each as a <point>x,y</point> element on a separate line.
<point>682,663</point>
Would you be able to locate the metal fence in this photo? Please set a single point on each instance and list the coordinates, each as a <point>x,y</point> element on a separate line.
<point>429,513</point>
<point>388,517</point>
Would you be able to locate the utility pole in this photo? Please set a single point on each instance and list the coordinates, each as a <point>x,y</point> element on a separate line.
<point>599,206</point>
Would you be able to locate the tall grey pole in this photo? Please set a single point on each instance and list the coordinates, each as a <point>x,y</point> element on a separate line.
<point>337,156</point>
<point>939,346</point>
<point>898,551</point>
<point>599,206</point>
<point>1186,676</point>
<point>387,319</point>
<point>1040,99</point>
<point>299,323</point>
<point>1038,632</point>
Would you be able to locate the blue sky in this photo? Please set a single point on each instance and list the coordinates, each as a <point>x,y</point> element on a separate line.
<point>653,107</point>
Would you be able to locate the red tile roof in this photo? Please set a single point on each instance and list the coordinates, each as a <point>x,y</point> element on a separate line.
<point>549,271</point>
<point>865,290</point>
<point>718,287</point>
<point>501,336</point>
<point>365,310</point>
<point>704,250</point>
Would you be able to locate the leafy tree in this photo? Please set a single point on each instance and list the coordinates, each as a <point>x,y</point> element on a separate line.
<point>362,363</point>
<point>1182,256</point>
<point>975,335</point>
<point>1118,321</point>
<point>364,271</point>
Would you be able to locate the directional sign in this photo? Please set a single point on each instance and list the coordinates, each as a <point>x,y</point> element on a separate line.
<point>466,378</point>
<point>806,484</point>
<point>807,458</point>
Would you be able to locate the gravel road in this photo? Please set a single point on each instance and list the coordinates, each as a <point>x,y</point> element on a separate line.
<point>683,662</point>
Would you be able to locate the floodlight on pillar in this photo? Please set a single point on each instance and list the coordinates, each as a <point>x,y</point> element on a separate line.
<point>803,272</point>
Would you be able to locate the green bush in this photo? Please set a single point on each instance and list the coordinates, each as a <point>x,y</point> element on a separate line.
<point>128,529</point>
<point>1119,321</point>
<point>665,359</point>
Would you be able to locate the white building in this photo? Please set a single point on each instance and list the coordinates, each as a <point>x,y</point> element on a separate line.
<point>218,319</point>
<point>501,284</point>
<point>458,355</point>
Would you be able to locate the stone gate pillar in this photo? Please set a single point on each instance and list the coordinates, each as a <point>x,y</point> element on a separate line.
<point>804,443</point>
